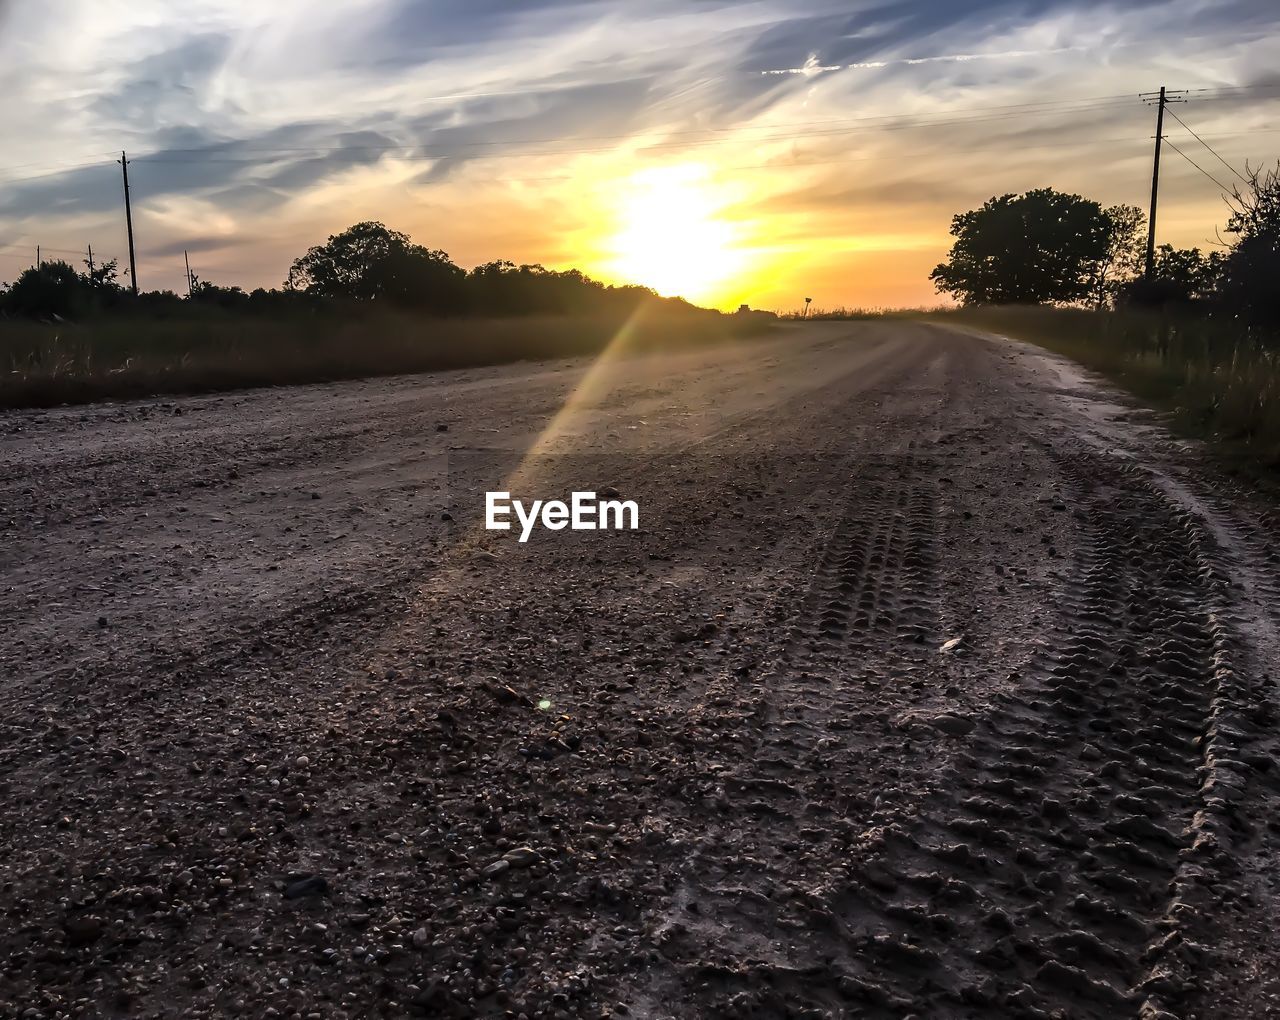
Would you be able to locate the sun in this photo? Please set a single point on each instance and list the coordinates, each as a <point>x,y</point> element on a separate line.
<point>670,238</point>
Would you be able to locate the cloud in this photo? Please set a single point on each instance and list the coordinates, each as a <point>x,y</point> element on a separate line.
<point>171,87</point>
<point>300,116</point>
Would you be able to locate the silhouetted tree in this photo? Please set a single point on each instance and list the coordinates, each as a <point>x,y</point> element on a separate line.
<point>206,293</point>
<point>1122,260</point>
<point>1041,247</point>
<point>1179,276</point>
<point>1252,267</point>
<point>55,289</point>
<point>102,276</point>
<point>369,262</point>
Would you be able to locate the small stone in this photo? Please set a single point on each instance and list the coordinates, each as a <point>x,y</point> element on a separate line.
<point>82,931</point>
<point>496,868</point>
<point>300,886</point>
<point>421,938</point>
<point>522,857</point>
<point>952,724</point>
<point>302,761</point>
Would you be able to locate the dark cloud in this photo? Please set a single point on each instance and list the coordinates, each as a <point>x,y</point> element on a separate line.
<point>413,32</point>
<point>171,84</point>
<point>913,30</point>
<point>552,122</point>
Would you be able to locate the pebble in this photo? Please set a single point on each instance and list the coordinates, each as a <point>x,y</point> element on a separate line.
<point>522,857</point>
<point>300,886</point>
<point>952,724</point>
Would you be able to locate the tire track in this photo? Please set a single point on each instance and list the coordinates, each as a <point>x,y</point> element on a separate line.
<point>1046,875</point>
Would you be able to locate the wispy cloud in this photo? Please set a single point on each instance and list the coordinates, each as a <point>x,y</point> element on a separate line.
<point>811,67</point>
<point>491,128</point>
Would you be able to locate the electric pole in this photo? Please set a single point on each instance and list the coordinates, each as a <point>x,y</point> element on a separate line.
<point>39,260</point>
<point>91,261</point>
<point>128,218</point>
<point>1161,99</point>
<point>187,259</point>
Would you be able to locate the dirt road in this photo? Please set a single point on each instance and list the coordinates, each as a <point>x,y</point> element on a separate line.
<point>935,683</point>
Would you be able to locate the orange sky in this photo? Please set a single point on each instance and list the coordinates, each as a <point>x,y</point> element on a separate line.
<point>758,152</point>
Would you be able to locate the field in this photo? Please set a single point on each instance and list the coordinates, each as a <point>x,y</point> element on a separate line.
<point>45,365</point>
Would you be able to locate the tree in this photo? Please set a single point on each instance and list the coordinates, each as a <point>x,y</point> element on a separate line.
<point>369,262</point>
<point>1179,276</point>
<point>54,288</point>
<point>1252,267</point>
<point>1041,247</point>
<point>1123,258</point>
<point>102,276</point>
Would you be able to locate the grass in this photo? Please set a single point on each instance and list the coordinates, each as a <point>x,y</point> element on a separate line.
<point>44,365</point>
<point>841,313</point>
<point>1217,379</point>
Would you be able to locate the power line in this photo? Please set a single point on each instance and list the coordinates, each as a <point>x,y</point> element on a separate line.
<point>1215,180</point>
<point>417,154</point>
<point>1085,105</point>
<point>60,251</point>
<point>802,163</point>
<point>1162,100</point>
<point>208,154</point>
<point>1209,147</point>
<point>877,122</point>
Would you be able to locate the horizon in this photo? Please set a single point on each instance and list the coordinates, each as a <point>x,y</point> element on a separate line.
<point>757,160</point>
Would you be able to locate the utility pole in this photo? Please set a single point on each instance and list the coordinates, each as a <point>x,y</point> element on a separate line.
<point>187,259</point>
<point>39,260</point>
<point>128,218</point>
<point>1161,99</point>
<point>90,260</point>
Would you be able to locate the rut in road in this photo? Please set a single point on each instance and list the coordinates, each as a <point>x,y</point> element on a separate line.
<point>1053,869</point>
<point>875,578</point>
<point>1037,878</point>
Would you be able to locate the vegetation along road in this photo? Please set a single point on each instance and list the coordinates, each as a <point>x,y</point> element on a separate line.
<point>938,681</point>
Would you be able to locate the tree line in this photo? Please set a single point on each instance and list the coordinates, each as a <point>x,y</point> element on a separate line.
<point>1048,247</point>
<point>366,266</point>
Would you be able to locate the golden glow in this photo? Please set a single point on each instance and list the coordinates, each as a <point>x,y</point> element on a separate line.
<point>669,236</point>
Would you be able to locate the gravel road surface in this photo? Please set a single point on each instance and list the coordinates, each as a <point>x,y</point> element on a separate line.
<point>938,681</point>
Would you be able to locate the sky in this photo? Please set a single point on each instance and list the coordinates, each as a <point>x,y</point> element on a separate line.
<point>731,152</point>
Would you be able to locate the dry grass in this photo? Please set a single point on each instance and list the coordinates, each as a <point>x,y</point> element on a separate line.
<point>1219,380</point>
<point>44,365</point>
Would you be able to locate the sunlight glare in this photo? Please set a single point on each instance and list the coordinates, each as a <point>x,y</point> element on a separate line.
<point>670,238</point>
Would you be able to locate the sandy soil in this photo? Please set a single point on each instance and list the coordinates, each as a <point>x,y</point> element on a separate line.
<point>938,682</point>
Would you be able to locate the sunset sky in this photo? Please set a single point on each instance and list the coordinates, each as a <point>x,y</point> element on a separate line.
<point>758,151</point>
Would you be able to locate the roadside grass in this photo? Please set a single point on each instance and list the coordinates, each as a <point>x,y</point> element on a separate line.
<point>43,365</point>
<point>1217,379</point>
<point>841,313</point>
